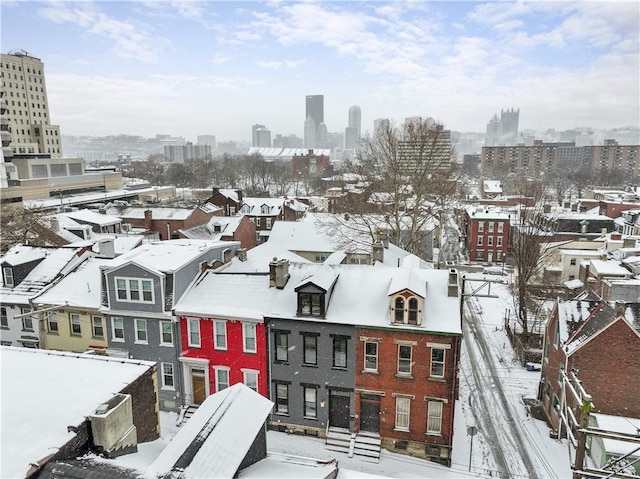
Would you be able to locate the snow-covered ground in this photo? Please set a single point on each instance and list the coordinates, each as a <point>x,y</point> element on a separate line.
<point>496,369</point>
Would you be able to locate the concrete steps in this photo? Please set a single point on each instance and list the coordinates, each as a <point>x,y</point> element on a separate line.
<point>366,445</point>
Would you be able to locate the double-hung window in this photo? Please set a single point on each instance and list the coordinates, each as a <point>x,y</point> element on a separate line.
<point>399,310</point>
<point>222,378</point>
<point>166,333</point>
<point>4,319</point>
<point>27,321</point>
<point>310,402</point>
<point>480,239</point>
<point>220,335</point>
<point>403,408</point>
<point>141,331</point>
<point>167,375</point>
<point>52,322</point>
<point>282,398</point>
<point>404,359</point>
<point>339,352</point>
<point>74,319</point>
<point>193,330</point>
<point>249,336</point>
<point>135,290</point>
<point>8,277</point>
<point>281,339</point>
<point>437,362</point>
<point>370,356</point>
<point>96,327</point>
<point>117,329</point>
<point>500,227</point>
<point>434,417</point>
<point>310,346</point>
<point>251,379</point>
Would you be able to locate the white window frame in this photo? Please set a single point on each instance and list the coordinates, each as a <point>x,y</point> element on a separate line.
<point>128,290</point>
<point>219,370</point>
<point>480,240</point>
<point>403,413</point>
<point>501,227</point>
<point>250,373</point>
<point>249,328</point>
<point>370,355</point>
<point>50,315</point>
<point>74,320</point>
<point>404,360</point>
<point>490,241</point>
<point>114,329</point>
<point>491,226</point>
<point>443,362</point>
<point>8,277</point>
<point>164,374</point>
<point>27,320</point>
<point>216,343</point>
<point>138,322</point>
<point>480,226</point>
<point>269,222</point>
<point>499,241</point>
<point>434,414</point>
<point>93,326</point>
<point>306,402</point>
<point>161,326</point>
<point>191,330</point>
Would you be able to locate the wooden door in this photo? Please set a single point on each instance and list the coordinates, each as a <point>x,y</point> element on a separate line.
<point>198,384</point>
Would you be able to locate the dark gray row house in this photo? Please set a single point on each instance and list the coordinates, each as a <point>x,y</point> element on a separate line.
<point>139,289</point>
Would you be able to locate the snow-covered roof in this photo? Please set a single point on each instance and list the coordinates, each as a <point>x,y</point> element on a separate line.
<point>229,193</point>
<point>492,186</point>
<point>608,268</point>
<point>215,229</point>
<point>156,213</point>
<point>300,236</point>
<point>286,153</point>
<point>80,288</point>
<point>258,258</point>
<point>167,256</point>
<point>21,254</point>
<point>89,216</point>
<point>360,296</point>
<point>337,257</point>
<point>43,401</point>
<point>488,213</point>
<point>284,466</point>
<point>408,279</point>
<point>324,278</point>
<point>573,284</point>
<point>224,426</point>
<point>627,425</point>
<point>56,261</point>
<point>274,206</point>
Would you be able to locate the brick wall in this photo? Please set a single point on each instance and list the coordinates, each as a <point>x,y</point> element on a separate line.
<point>144,396</point>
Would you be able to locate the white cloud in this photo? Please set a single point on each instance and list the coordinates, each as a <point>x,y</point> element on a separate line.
<point>219,59</point>
<point>278,64</point>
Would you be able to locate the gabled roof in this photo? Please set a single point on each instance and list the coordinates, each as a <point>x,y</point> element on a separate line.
<point>22,254</point>
<point>229,193</point>
<point>88,216</point>
<point>215,440</point>
<point>408,279</point>
<point>226,225</point>
<point>324,278</point>
<point>167,256</point>
<point>258,258</point>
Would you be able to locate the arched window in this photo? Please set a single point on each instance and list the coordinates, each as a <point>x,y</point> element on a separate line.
<point>413,311</point>
<point>399,313</point>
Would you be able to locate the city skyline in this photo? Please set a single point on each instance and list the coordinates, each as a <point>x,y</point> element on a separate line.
<point>196,68</point>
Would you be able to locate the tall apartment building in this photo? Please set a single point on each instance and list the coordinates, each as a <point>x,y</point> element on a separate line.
<point>353,131</point>
<point>180,153</point>
<point>27,108</point>
<point>207,140</point>
<point>433,152</point>
<point>544,157</point>
<point>260,136</point>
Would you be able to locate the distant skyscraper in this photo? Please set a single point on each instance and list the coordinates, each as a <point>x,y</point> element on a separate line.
<point>260,136</point>
<point>314,109</point>
<point>503,131</point>
<point>207,140</point>
<point>310,134</point>
<point>355,119</point>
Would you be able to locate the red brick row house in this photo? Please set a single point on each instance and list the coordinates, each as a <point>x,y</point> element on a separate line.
<point>488,234</point>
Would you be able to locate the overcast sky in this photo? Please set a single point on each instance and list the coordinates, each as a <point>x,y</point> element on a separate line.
<point>214,67</point>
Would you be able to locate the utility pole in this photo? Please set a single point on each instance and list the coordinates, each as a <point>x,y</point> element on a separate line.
<point>585,409</point>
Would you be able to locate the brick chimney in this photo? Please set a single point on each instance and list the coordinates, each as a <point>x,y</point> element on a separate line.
<point>282,273</point>
<point>147,219</point>
<point>452,284</point>
<point>272,272</point>
<point>619,308</point>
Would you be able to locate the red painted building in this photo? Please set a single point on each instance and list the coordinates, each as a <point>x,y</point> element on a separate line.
<point>222,335</point>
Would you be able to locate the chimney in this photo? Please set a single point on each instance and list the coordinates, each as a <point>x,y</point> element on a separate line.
<point>204,266</point>
<point>616,236</point>
<point>272,272</point>
<point>629,243</point>
<point>282,273</point>
<point>378,252</point>
<point>590,286</point>
<point>452,284</point>
<point>604,256</point>
<point>147,219</point>
<point>603,232</point>
<point>242,254</point>
<point>239,192</point>
<point>619,308</point>
<point>106,248</point>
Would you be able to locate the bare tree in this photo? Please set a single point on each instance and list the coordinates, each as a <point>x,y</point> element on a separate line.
<point>559,181</point>
<point>20,225</point>
<point>409,179</point>
<point>282,178</point>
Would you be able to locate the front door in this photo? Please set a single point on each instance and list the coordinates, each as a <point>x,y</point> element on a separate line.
<point>198,385</point>
<point>490,257</point>
<point>369,413</point>
<point>339,408</point>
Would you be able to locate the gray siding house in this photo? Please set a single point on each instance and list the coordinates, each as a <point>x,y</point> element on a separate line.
<point>139,290</point>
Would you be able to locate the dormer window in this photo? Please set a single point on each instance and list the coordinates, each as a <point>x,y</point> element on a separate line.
<point>8,277</point>
<point>246,208</point>
<point>264,209</point>
<point>310,304</point>
<point>406,309</point>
